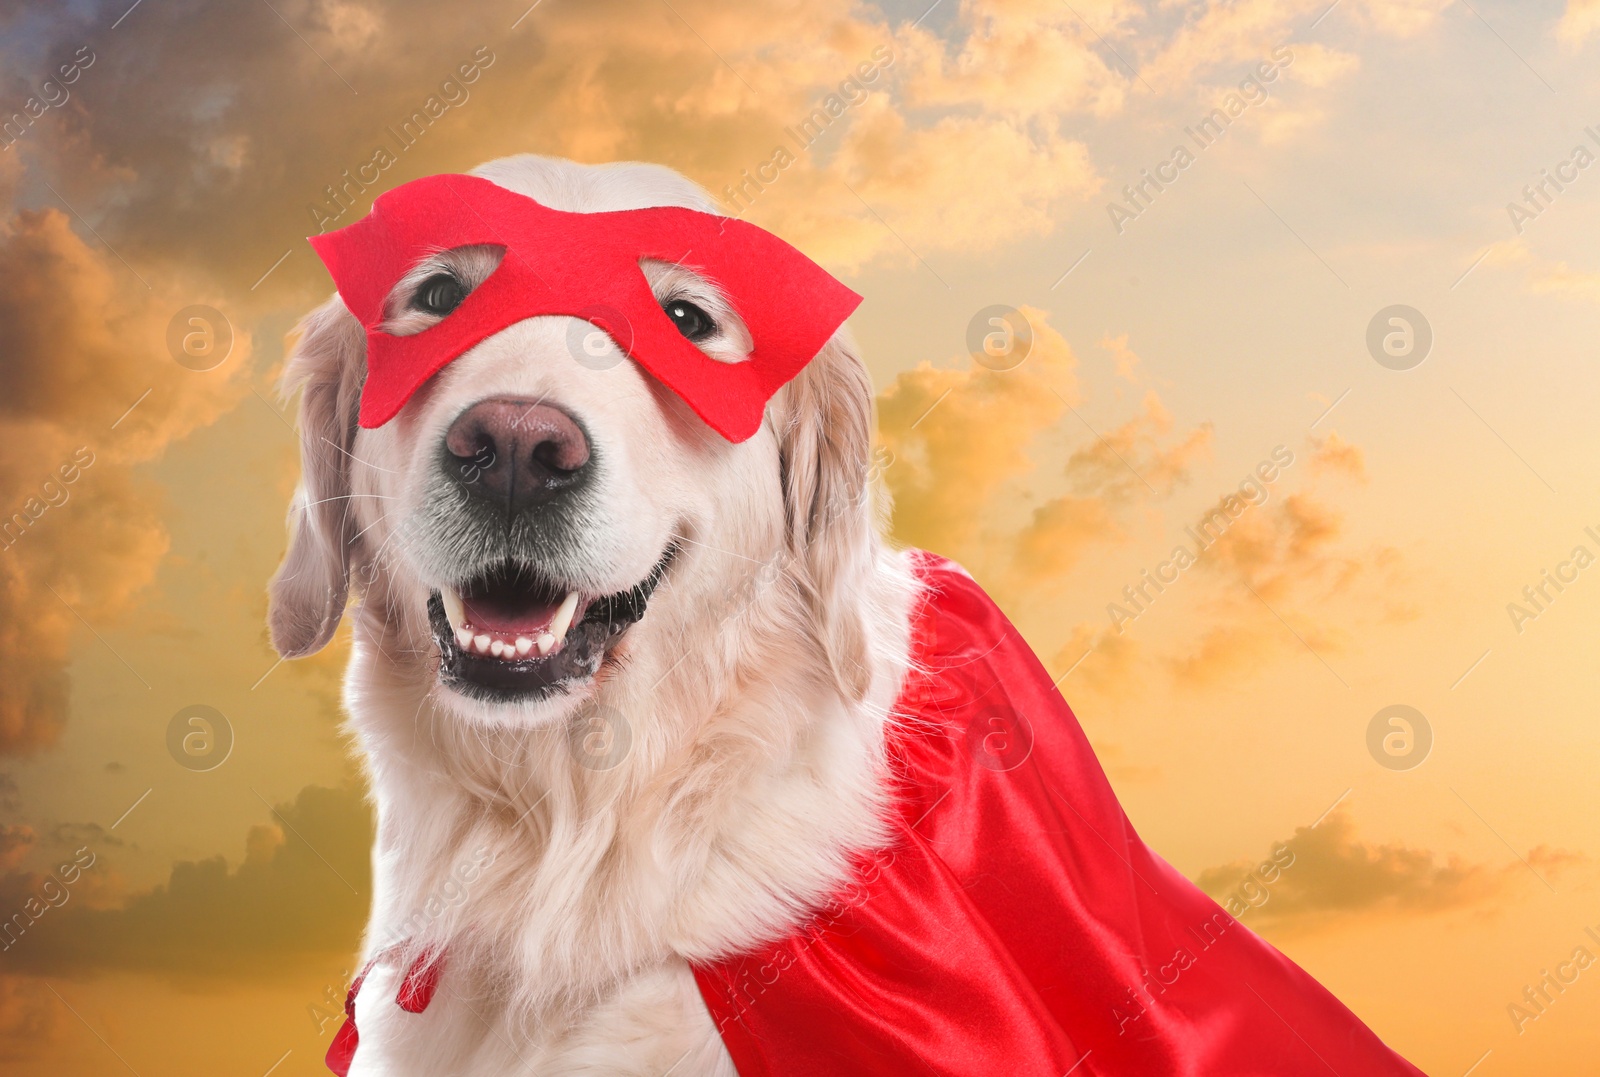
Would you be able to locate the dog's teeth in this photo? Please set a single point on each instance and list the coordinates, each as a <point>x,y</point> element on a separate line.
<point>481,643</point>
<point>464,638</point>
<point>497,648</point>
<point>563,617</point>
<point>524,645</point>
<point>453,609</point>
<point>546,641</point>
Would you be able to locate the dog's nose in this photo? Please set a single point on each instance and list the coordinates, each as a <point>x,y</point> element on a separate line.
<point>518,452</point>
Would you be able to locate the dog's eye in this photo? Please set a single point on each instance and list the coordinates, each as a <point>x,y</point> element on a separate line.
<point>439,294</point>
<point>692,322</point>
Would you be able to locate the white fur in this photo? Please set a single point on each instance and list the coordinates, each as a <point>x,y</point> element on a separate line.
<point>755,690</point>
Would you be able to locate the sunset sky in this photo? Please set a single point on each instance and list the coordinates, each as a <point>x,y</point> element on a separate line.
<point>1442,157</point>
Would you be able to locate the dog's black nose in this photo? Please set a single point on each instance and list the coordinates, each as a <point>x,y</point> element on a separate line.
<point>519,453</point>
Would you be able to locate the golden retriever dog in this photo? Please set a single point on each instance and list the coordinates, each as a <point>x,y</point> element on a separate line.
<point>621,685</point>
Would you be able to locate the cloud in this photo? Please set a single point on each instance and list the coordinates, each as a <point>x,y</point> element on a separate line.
<point>1059,532</point>
<point>1122,356</point>
<point>1561,280</point>
<point>1399,18</point>
<point>1335,875</point>
<point>302,889</point>
<point>85,341</point>
<point>1284,558</point>
<point>1269,556</point>
<point>958,435</point>
<point>1545,277</point>
<point>1578,22</point>
<point>29,1016</point>
<point>1221,34</point>
<point>15,842</point>
<point>934,186</point>
<point>1099,658</point>
<point>1333,454</point>
<point>1130,460</point>
<point>1029,59</point>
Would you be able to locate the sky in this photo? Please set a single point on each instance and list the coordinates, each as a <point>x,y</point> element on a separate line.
<point>1350,323</point>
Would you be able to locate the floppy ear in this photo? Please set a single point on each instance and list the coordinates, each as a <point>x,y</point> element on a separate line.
<point>825,446</point>
<point>308,592</point>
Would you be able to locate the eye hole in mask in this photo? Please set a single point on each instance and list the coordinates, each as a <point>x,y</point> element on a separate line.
<point>439,294</point>
<point>438,284</point>
<point>695,324</point>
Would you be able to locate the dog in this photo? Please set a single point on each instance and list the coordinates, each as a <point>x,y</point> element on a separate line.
<point>687,762</point>
<point>680,767</point>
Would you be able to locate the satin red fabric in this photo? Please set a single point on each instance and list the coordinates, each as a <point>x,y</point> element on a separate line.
<point>416,992</point>
<point>1017,926</point>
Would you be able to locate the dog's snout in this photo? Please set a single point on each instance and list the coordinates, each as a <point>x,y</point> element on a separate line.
<point>520,452</point>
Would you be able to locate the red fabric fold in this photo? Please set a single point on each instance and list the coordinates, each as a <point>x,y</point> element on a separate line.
<point>416,992</point>
<point>1017,925</point>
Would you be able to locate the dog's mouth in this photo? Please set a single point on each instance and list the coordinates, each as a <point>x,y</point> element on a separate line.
<point>511,633</point>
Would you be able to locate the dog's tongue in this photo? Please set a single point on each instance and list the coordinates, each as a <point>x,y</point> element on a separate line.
<point>509,617</point>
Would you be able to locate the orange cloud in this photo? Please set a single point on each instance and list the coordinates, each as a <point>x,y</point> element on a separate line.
<point>15,843</point>
<point>1099,659</point>
<point>89,388</point>
<point>1029,58</point>
<point>1130,460</point>
<point>300,890</point>
<point>959,434</point>
<point>1579,22</point>
<point>1333,454</point>
<point>1058,533</point>
<point>1334,875</point>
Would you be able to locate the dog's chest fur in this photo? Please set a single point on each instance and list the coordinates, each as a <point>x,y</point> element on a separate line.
<point>568,936</point>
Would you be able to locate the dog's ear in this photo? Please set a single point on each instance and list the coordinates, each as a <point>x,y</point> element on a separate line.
<point>308,593</point>
<point>825,447</point>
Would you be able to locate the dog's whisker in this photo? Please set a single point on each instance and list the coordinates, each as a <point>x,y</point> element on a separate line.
<point>357,459</point>
<point>719,549</point>
<point>349,497</point>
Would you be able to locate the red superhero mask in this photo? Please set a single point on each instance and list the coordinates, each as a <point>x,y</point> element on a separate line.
<point>585,265</point>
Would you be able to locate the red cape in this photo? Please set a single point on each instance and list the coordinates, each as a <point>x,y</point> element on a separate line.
<point>1017,925</point>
